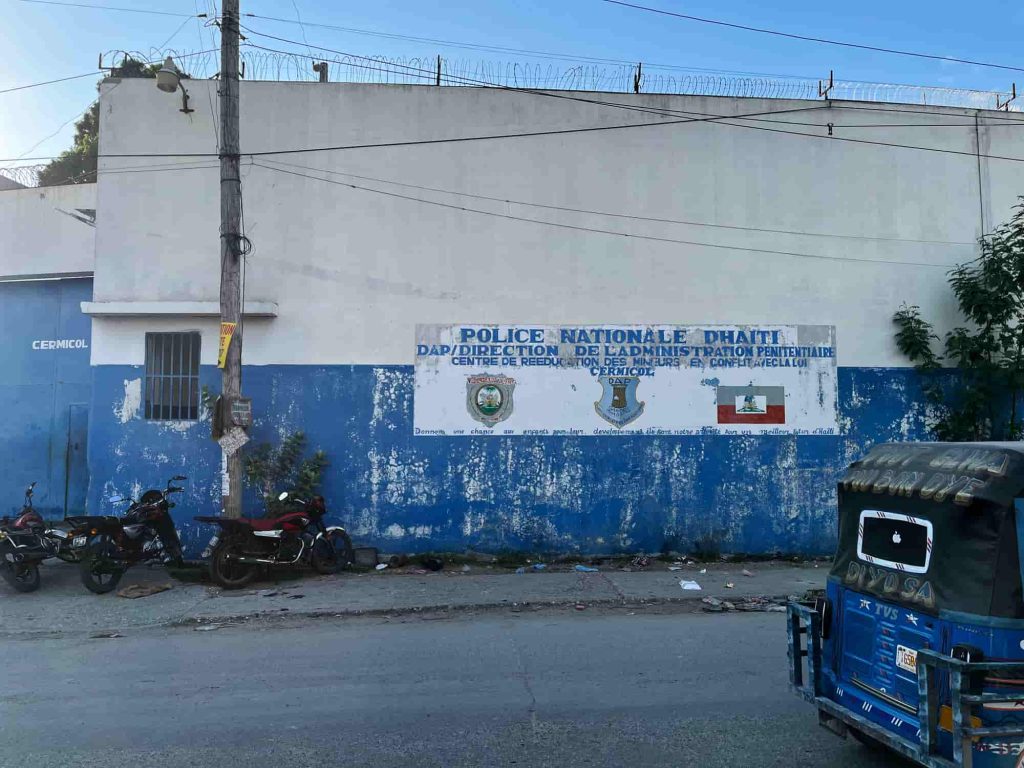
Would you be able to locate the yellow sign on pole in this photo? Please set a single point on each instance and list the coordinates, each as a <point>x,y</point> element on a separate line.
<point>227,330</point>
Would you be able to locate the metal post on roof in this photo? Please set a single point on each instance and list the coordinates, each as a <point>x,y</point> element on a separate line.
<point>1005,105</point>
<point>824,91</point>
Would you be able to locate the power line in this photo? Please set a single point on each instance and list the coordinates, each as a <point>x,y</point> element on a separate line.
<point>421,142</point>
<point>60,128</point>
<point>558,56</point>
<point>595,230</point>
<point>807,38</point>
<point>533,134</point>
<point>105,8</point>
<point>94,72</point>
<point>174,34</point>
<point>719,119</point>
<point>610,214</point>
<point>51,82</point>
<point>522,135</point>
<point>710,118</point>
<point>522,51</point>
<point>431,75</point>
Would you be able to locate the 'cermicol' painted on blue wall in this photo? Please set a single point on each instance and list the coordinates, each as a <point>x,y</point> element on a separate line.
<point>752,493</point>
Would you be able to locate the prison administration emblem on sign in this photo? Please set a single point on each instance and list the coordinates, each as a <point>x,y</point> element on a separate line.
<point>489,398</point>
<point>618,404</point>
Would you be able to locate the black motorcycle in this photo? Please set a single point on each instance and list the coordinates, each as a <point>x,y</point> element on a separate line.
<point>298,535</point>
<point>25,542</point>
<point>111,545</point>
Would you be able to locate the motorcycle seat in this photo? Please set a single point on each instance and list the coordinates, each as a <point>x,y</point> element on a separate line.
<point>269,523</point>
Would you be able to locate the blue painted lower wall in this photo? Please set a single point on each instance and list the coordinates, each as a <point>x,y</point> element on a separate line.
<point>45,394</point>
<point>588,494</point>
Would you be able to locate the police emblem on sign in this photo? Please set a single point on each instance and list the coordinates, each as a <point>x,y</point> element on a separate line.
<point>489,398</point>
<point>618,404</point>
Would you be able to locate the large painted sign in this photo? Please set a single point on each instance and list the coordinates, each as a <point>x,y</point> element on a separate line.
<point>625,380</point>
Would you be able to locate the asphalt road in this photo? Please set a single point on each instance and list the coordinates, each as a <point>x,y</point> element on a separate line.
<point>532,689</point>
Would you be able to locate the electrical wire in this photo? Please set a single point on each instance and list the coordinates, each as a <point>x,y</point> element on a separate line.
<point>532,134</point>
<point>51,82</point>
<point>609,214</point>
<point>431,76</point>
<point>523,51</point>
<point>421,142</point>
<point>94,72</point>
<point>209,91</point>
<point>806,38</point>
<point>595,230</point>
<point>104,8</point>
<point>59,129</point>
<point>174,34</point>
<point>719,119</point>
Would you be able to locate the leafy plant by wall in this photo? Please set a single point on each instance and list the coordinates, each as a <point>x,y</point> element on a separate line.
<point>272,470</point>
<point>982,401</point>
<point>78,164</point>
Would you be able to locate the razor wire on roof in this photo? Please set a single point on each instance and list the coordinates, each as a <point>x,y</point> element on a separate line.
<point>391,70</point>
<point>423,70</point>
<point>26,175</point>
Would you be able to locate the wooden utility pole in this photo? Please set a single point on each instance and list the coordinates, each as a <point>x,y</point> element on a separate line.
<point>230,238</point>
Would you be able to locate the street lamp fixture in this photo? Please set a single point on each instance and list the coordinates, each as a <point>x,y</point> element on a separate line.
<point>168,80</point>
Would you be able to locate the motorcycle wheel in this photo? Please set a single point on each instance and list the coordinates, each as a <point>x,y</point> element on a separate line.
<point>227,573</point>
<point>332,553</point>
<point>24,577</point>
<point>97,573</point>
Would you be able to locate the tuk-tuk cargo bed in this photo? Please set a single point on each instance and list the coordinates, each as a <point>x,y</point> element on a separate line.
<point>804,623</point>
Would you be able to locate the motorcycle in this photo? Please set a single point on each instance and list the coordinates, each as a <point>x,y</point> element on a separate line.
<point>245,545</point>
<point>111,545</point>
<point>25,542</point>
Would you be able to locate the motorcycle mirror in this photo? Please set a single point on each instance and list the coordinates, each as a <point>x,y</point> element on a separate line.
<point>179,477</point>
<point>283,496</point>
<point>115,499</point>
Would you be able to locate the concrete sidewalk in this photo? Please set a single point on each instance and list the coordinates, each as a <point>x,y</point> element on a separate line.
<point>62,605</point>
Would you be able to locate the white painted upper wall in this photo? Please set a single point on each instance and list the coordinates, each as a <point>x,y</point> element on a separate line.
<point>353,271</point>
<point>47,230</point>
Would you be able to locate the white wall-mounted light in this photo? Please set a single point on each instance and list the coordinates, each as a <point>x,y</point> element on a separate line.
<point>168,80</point>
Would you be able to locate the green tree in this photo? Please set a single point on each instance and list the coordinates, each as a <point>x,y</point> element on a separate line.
<point>272,470</point>
<point>78,164</point>
<point>981,401</point>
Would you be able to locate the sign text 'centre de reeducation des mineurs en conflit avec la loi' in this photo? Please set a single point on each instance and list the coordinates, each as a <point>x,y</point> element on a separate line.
<point>624,380</point>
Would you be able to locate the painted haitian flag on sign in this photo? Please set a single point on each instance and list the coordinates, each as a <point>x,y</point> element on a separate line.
<point>751,405</point>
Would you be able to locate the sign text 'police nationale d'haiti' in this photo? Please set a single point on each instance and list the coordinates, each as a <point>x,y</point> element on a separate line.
<point>625,380</point>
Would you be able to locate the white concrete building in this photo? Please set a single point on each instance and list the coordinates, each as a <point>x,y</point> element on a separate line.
<point>375,209</point>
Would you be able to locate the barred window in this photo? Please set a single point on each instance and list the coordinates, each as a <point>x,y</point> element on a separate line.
<point>172,376</point>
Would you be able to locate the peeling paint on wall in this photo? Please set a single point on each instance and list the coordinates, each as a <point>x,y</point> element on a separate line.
<point>749,493</point>
<point>128,408</point>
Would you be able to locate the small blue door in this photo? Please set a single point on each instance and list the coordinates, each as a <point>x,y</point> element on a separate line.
<point>76,472</point>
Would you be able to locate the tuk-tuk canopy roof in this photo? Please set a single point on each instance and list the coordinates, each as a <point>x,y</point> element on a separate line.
<point>931,526</point>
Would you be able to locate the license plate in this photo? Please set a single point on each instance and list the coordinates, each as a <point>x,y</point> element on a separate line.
<point>906,658</point>
<point>79,541</point>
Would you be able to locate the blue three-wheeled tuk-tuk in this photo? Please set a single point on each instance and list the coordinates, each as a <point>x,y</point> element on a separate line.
<point>918,643</point>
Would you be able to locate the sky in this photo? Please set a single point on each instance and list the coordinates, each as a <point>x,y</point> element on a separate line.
<point>44,42</point>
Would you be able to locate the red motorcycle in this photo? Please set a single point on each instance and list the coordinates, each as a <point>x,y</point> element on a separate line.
<point>298,536</point>
<point>25,542</point>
